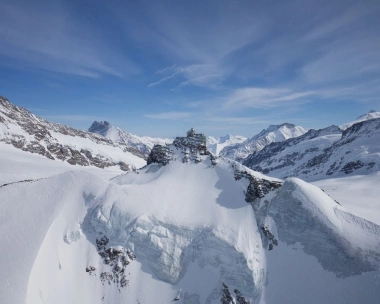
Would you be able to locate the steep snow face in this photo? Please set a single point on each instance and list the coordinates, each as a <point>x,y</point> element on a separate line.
<point>359,193</point>
<point>368,116</point>
<point>215,145</point>
<point>274,133</point>
<point>289,158</point>
<point>143,144</point>
<point>31,133</point>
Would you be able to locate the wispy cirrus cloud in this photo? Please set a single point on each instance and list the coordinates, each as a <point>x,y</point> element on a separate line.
<point>264,97</point>
<point>204,75</point>
<point>169,115</point>
<point>72,118</point>
<point>48,36</point>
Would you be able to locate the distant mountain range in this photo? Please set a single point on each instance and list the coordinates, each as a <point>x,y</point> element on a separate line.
<point>319,154</point>
<point>280,150</point>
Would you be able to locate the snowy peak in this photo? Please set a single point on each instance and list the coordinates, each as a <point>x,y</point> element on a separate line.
<point>143,144</point>
<point>100,128</point>
<point>322,153</point>
<point>281,132</point>
<point>274,133</point>
<point>365,128</point>
<point>368,116</point>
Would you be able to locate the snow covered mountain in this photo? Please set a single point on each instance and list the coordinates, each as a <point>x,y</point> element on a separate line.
<point>30,133</point>
<point>215,145</point>
<point>189,228</point>
<point>143,144</point>
<point>370,115</point>
<point>274,133</point>
<point>323,153</point>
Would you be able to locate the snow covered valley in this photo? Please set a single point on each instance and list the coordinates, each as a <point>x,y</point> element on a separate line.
<point>198,229</point>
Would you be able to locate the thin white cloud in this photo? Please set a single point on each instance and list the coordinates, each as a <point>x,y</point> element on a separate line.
<point>169,115</point>
<point>50,38</point>
<point>162,80</point>
<point>264,97</point>
<point>72,118</point>
<point>239,120</point>
<point>203,75</point>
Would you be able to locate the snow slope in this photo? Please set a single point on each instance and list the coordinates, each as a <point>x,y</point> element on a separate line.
<point>289,157</point>
<point>143,144</point>
<point>17,165</point>
<point>274,133</point>
<point>359,193</point>
<point>215,145</point>
<point>368,116</point>
<point>27,132</point>
<point>191,229</point>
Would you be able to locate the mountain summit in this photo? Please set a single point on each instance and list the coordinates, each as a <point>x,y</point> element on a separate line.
<point>367,116</point>
<point>274,133</point>
<point>143,144</point>
<point>101,128</point>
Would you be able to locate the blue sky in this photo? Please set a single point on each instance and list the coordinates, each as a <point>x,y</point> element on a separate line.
<point>160,67</point>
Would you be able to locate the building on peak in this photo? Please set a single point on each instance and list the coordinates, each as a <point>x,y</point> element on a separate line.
<point>191,133</point>
<point>200,137</point>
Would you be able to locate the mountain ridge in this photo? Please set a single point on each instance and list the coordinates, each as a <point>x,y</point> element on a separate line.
<point>273,133</point>
<point>28,132</point>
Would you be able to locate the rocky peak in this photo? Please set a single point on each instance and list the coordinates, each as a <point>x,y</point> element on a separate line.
<point>4,102</point>
<point>101,127</point>
<point>190,148</point>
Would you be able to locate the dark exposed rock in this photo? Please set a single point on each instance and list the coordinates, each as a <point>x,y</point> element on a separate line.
<point>269,236</point>
<point>226,296</point>
<point>90,269</point>
<point>100,127</point>
<point>240,299</point>
<point>160,154</point>
<point>257,187</point>
<point>117,258</point>
<point>352,166</point>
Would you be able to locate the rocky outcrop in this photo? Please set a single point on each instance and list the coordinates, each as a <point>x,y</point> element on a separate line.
<point>257,187</point>
<point>160,155</point>
<point>117,258</point>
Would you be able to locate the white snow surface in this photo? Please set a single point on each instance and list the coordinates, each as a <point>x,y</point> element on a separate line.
<point>274,133</point>
<point>360,194</point>
<point>215,145</point>
<point>368,116</point>
<point>141,143</point>
<point>20,127</point>
<point>191,230</point>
